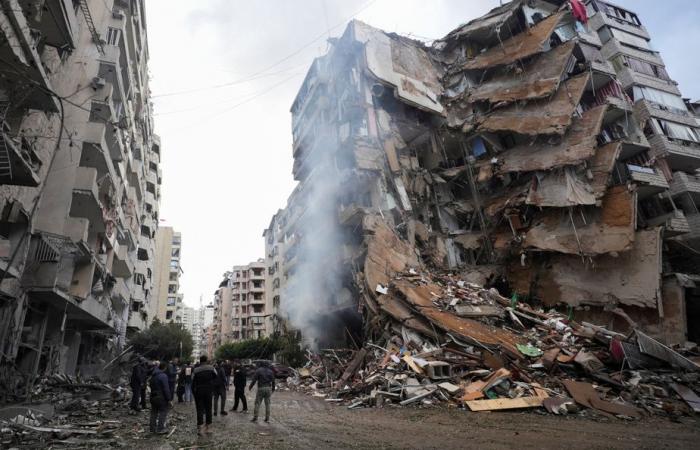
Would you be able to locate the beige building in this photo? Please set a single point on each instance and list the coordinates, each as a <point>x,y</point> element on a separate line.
<point>168,301</point>
<point>242,310</point>
<point>79,182</point>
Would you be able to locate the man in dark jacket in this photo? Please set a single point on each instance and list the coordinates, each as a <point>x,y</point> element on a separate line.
<point>220,389</point>
<point>228,369</point>
<point>203,380</point>
<point>137,381</point>
<point>265,378</point>
<point>160,399</point>
<point>172,375</point>
<point>239,389</point>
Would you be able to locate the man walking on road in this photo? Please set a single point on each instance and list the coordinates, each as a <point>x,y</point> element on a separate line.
<point>239,389</point>
<point>265,378</point>
<point>203,379</point>
<point>220,389</point>
<point>160,399</point>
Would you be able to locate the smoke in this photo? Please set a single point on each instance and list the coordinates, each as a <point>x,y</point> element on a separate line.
<point>315,282</point>
<point>319,286</point>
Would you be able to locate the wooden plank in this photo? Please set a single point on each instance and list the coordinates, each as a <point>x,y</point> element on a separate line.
<point>504,403</point>
<point>412,364</point>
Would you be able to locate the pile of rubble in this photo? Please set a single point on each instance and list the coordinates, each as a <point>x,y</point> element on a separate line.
<point>63,410</point>
<point>451,341</point>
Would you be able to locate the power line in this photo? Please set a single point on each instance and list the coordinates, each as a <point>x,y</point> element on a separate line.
<point>230,83</point>
<point>253,97</point>
<point>260,73</point>
<point>208,105</point>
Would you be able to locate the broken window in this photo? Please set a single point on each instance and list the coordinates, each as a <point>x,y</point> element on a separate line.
<point>168,315</point>
<point>660,98</point>
<point>172,288</point>
<point>677,130</point>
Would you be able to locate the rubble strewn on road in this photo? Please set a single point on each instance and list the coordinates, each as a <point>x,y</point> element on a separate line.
<point>469,347</point>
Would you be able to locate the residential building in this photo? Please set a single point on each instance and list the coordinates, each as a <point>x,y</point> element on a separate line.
<point>241,308</point>
<point>79,182</point>
<point>168,304</point>
<point>545,154</point>
<point>203,319</point>
<point>189,318</point>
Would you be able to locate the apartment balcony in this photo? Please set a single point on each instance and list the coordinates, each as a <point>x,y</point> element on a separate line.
<point>682,183</point>
<point>648,181</point>
<point>675,223</point>
<point>123,263</point>
<point>150,199</point>
<point>86,203</point>
<point>628,78</point>
<point>17,166</point>
<point>138,295</point>
<point>120,294</point>
<point>96,153</point>
<point>146,245</point>
<point>614,47</point>
<point>50,272</point>
<point>680,155</point>
<point>110,70</point>
<point>601,19</point>
<point>693,237</point>
<point>77,229</point>
<point>55,19</point>
<point>646,109</point>
<point>21,48</point>
<point>137,321</point>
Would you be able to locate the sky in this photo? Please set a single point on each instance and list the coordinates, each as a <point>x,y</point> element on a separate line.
<point>224,73</point>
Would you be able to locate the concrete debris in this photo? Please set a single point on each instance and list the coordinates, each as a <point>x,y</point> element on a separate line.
<point>447,364</point>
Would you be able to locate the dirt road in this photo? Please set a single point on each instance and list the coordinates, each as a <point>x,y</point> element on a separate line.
<point>299,421</point>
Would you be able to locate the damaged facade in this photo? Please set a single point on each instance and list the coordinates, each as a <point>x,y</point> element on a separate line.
<point>79,183</point>
<point>537,150</point>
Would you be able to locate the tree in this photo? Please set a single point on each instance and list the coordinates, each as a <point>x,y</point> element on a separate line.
<point>286,347</point>
<point>163,341</point>
<point>261,348</point>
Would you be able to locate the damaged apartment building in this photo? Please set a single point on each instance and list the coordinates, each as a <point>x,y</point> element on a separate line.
<point>541,149</point>
<point>79,184</point>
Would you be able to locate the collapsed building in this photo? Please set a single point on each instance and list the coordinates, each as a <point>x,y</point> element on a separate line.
<point>79,184</point>
<point>541,149</point>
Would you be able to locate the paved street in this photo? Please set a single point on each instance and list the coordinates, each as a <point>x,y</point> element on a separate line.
<point>300,421</point>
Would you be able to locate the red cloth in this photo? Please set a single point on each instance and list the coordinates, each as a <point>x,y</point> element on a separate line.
<point>579,11</point>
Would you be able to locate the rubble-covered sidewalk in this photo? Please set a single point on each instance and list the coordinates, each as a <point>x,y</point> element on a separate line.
<point>300,421</point>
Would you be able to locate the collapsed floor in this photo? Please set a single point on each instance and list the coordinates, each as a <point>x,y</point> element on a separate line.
<point>440,338</point>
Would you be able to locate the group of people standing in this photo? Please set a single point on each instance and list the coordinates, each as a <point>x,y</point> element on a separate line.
<point>204,383</point>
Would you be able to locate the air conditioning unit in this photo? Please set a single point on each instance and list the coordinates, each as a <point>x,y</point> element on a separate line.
<point>119,15</point>
<point>98,83</point>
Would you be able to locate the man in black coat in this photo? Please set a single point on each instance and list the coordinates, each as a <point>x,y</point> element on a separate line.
<point>239,381</point>
<point>171,372</point>
<point>137,382</point>
<point>220,389</point>
<point>160,399</point>
<point>203,380</point>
